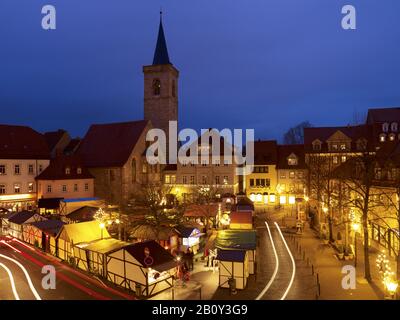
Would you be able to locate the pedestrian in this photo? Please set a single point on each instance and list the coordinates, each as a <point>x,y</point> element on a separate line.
<point>190,258</point>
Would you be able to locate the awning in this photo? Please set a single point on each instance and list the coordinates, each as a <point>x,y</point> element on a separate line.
<point>49,203</point>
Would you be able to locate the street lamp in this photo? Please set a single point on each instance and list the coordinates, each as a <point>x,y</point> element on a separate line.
<point>356,228</point>
<point>102,226</point>
<point>391,287</point>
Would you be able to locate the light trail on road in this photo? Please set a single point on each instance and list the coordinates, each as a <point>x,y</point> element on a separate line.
<point>276,266</point>
<point>293,263</point>
<point>12,281</point>
<point>28,278</point>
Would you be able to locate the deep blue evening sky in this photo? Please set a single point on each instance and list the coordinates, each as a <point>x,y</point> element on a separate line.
<point>263,64</point>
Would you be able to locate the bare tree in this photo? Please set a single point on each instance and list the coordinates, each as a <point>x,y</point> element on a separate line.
<point>358,174</point>
<point>295,135</point>
<point>156,207</point>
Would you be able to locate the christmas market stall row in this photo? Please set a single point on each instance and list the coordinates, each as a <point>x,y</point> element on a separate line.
<point>145,268</point>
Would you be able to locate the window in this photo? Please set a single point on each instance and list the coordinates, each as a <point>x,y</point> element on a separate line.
<point>226,180</point>
<point>283,175</point>
<point>40,168</point>
<point>79,170</point>
<point>361,144</point>
<point>334,147</point>
<point>300,174</point>
<point>192,181</point>
<point>317,145</point>
<point>343,146</point>
<point>49,188</point>
<point>86,186</point>
<point>251,182</point>
<point>184,180</point>
<point>173,89</point>
<point>2,188</point>
<point>216,179</point>
<point>173,179</point>
<point>335,160</point>
<point>30,169</point>
<point>75,187</point>
<point>392,137</point>
<point>17,188</point>
<point>204,179</point>
<point>30,187</point>
<point>64,188</point>
<point>394,127</point>
<point>2,169</point>
<point>382,137</point>
<point>385,127</point>
<point>344,159</point>
<point>292,161</point>
<point>260,169</point>
<point>17,169</point>
<point>167,179</point>
<point>292,175</point>
<point>67,170</point>
<point>156,87</point>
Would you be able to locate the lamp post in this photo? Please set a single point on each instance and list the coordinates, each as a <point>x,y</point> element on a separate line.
<point>102,226</point>
<point>356,228</point>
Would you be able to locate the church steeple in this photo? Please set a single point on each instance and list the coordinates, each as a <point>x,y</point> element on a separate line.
<point>161,52</point>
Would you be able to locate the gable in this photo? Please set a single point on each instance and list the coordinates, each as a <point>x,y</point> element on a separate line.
<point>338,136</point>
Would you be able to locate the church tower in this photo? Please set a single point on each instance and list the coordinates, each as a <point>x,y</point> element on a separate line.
<point>161,86</point>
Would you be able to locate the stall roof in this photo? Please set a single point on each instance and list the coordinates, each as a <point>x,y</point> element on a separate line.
<point>106,245</point>
<point>161,260</point>
<point>84,232</point>
<point>49,203</point>
<point>83,214</point>
<point>49,226</point>
<point>187,231</point>
<point>231,255</point>
<point>21,217</point>
<point>236,240</point>
<point>147,232</point>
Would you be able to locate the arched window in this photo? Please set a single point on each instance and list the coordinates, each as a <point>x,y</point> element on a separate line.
<point>173,88</point>
<point>382,137</point>
<point>385,127</point>
<point>156,87</point>
<point>392,137</point>
<point>394,127</point>
<point>133,165</point>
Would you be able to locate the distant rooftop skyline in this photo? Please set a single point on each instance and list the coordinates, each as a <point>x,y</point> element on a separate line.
<point>265,66</point>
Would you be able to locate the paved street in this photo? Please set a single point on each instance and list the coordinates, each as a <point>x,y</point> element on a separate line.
<point>70,283</point>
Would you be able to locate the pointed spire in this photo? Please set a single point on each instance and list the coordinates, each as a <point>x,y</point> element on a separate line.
<point>161,52</point>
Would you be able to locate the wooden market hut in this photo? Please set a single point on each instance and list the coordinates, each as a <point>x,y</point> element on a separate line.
<point>242,240</point>
<point>241,220</point>
<point>189,238</point>
<point>43,234</point>
<point>71,235</point>
<point>92,257</point>
<point>144,267</point>
<point>83,214</point>
<point>16,222</point>
<point>233,264</point>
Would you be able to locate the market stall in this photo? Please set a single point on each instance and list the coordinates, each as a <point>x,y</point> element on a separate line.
<point>19,219</point>
<point>42,234</point>
<point>145,268</point>
<point>233,264</point>
<point>190,238</point>
<point>241,220</point>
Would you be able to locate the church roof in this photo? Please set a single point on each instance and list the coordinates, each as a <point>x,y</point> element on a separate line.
<point>110,145</point>
<point>161,53</point>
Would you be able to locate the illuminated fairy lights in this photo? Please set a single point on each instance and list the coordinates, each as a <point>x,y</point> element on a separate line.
<point>388,276</point>
<point>28,278</point>
<point>276,266</point>
<point>10,276</point>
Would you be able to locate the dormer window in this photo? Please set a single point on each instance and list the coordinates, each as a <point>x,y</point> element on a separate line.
<point>292,160</point>
<point>385,127</point>
<point>316,145</point>
<point>67,170</point>
<point>156,87</point>
<point>394,127</point>
<point>343,147</point>
<point>382,137</point>
<point>79,170</point>
<point>392,137</point>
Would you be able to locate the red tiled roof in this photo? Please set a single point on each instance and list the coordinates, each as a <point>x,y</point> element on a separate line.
<point>284,151</point>
<point>265,152</point>
<point>21,142</point>
<point>110,145</point>
<point>205,210</point>
<point>383,115</point>
<point>324,133</point>
<point>72,146</point>
<point>57,169</point>
<point>53,137</point>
